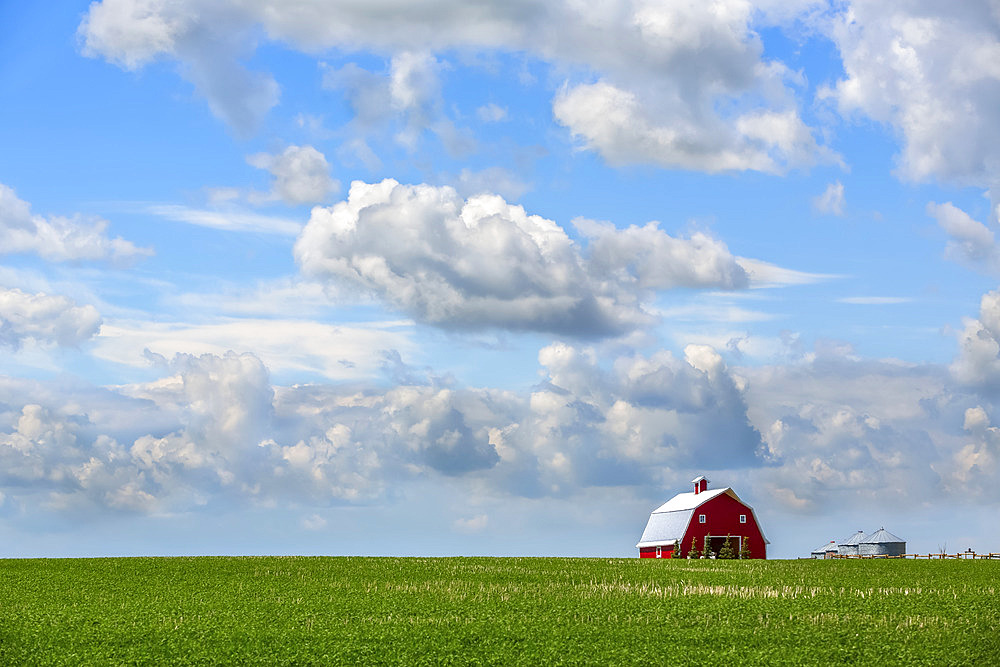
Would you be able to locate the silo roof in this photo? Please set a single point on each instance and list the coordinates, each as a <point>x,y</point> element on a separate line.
<point>882,536</point>
<point>829,546</point>
<point>856,538</point>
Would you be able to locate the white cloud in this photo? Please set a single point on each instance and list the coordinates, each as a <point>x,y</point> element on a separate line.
<point>681,84</point>
<point>973,469</point>
<point>932,71</point>
<point>832,200</point>
<point>616,123</point>
<point>978,360</point>
<point>970,242</point>
<point>46,319</point>
<point>482,262</point>
<point>213,427</point>
<point>648,258</point>
<point>58,238</point>
<point>285,298</point>
<point>313,522</point>
<point>765,275</point>
<point>490,180</point>
<point>131,34</point>
<point>301,174</point>
<point>491,113</point>
<point>861,433</point>
<point>406,99</point>
<point>229,220</point>
<point>475,524</point>
<point>874,300</point>
<point>208,39</point>
<point>338,352</point>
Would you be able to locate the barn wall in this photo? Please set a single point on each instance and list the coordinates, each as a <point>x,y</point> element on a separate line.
<point>722,517</point>
<point>650,552</point>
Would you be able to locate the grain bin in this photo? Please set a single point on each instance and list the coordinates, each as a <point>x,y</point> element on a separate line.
<point>882,543</point>
<point>850,546</point>
<point>828,550</point>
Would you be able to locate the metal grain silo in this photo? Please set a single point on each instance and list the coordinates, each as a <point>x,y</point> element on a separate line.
<point>851,546</point>
<point>828,550</point>
<point>882,543</point>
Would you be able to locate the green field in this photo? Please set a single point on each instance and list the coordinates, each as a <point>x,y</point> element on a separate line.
<point>497,610</point>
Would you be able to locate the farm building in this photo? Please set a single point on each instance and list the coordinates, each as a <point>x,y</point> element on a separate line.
<point>705,518</point>
<point>852,545</point>
<point>882,543</point>
<point>879,543</point>
<point>828,550</point>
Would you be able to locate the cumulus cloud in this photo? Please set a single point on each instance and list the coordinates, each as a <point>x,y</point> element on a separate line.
<point>301,174</point>
<point>213,427</point>
<point>831,202</point>
<point>58,238</point>
<point>973,469</point>
<point>207,39</point>
<point>482,262</point>
<point>853,431</point>
<point>626,129</point>
<point>931,71</point>
<point>45,319</point>
<point>978,360</point>
<point>681,84</point>
<point>970,242</point>
<point>406,100</point>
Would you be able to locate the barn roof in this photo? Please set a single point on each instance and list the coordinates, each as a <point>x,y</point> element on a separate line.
<point>882,536</point>
<point>665,528</point>
<point>668,522</point>
<point>691,500</point>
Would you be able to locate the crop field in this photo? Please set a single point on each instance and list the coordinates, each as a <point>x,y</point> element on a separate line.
<point>497,611</point>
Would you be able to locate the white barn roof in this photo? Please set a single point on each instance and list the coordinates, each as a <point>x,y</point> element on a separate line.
<point>668,522</point>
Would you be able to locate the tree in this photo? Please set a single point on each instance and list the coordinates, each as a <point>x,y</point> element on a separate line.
<point>745,548</point>
<point>726,552</point>
<point>694,553</point>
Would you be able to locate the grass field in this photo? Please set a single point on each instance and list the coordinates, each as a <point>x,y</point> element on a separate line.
<point>497,610</point>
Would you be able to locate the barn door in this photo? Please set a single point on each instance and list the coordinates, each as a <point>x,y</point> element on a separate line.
<point>714,543</point>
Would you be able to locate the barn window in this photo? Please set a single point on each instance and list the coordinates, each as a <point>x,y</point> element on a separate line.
<point>701,518</point>
<point>743,518</point>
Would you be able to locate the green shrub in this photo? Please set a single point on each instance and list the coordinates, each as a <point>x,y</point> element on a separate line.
<point>726,552</point>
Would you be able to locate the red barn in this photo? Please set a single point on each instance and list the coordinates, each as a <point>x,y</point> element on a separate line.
<point>706,518</point>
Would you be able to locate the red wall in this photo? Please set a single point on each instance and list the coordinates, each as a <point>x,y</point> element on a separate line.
<point>722,517</point>
<point>650,552</point>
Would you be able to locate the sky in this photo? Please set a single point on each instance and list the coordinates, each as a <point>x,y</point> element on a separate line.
<point>446,278</point>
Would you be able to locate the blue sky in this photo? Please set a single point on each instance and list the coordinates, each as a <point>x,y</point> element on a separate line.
<point>437,278</point>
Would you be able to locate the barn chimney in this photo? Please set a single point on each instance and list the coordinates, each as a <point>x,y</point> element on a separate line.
<point>700,484</point>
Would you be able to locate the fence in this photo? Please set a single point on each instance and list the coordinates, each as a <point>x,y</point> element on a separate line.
<point>966,555</point>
